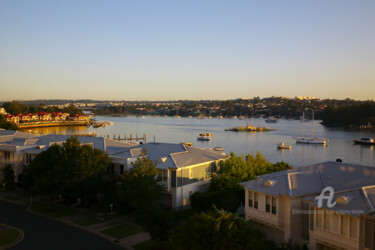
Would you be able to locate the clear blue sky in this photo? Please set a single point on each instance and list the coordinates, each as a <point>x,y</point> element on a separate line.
<point>170,50</point>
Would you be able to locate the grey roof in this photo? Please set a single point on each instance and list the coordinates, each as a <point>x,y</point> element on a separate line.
<point>174,155</point>
<point>8,135</point>
<point>195,155</point>
<point>17,138</point>
<point>311,180</point>
<point>361,201</point>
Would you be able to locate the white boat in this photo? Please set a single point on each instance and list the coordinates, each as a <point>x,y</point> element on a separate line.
<point>282,145</point>
<point>204,137</point>
<point>271,119</point>
<point>365,141</point>
<point>312,139</point>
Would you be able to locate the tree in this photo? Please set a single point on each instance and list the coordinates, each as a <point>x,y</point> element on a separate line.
<point>7,125</point>
<point>15,108</point>
<point>140,189</point>
<point>9,177</point>
<point>238,169</point>
<point>72,169</point>
<point>157,221</point>
<point>219,230</point>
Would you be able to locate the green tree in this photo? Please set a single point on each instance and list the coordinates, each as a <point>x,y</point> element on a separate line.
<point>72,169</point>
<point>238,169</point>
<point>7,125</point>
<point>218,230</point>
<point>140,189</point>
<point>15,108</point>
<point>9,177</point>
<point>157,221</point>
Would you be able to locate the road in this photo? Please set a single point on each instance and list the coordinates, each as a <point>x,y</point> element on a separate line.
<point>43,233</point>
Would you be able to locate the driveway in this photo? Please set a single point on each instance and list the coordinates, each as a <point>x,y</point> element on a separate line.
<point>43,233</point>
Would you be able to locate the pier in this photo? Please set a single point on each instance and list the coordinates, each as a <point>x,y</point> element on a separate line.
<point>127,138</point>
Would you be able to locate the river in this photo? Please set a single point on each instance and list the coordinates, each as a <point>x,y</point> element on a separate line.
<point>170,129</point>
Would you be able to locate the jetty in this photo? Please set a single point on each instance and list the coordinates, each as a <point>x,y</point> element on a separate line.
<point>249,128</point>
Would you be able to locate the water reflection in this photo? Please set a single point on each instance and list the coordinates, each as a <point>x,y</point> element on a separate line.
<point>186,130</point>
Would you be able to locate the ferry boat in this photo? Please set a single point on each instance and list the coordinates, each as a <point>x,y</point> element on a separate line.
<point>365,141</point>
<point>204,137</point>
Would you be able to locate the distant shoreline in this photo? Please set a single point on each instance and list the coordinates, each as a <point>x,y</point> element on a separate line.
<point>55,124</point>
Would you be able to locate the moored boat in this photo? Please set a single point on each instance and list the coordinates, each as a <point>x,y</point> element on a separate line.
<point>311,140</point>
<point>365,141</point>
<point>271,119</point>
<point>204,137</point>
<point>282,145</point>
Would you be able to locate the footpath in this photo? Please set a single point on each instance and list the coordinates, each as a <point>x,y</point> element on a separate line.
<point>121,229</point>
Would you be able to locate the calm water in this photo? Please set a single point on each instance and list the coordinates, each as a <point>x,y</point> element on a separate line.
<point>186,130</point>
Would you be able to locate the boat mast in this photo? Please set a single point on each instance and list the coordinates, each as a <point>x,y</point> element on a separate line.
<point>303,124</point>
<point>312,133</point>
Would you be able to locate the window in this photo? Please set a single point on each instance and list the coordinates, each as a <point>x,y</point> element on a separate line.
<point>112,169</point>
<point>28,159</point>
<point>319,217</point>
<point>274,204</point>
<point>268,204</point>
<point>255,200</point>
<point>369,234</point>
<point>311,217</point>
<point>7,155</point>
<point>173,179</point>
<point>327,220</point>
<point>344,224</point>
<point>250,198</point>
<point>353,227</point>
<point>121,169</point>
<point>164,175</point>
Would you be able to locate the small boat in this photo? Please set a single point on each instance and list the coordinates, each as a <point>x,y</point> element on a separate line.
<point>365,141</point>
<point>271,119</point>
<point>204,137</point>
<point>282,145</point>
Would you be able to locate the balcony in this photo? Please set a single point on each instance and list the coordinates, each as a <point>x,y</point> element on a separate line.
<point>264,217</point>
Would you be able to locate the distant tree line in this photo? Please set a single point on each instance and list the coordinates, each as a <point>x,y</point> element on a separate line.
<point>351,115</point>
<point>15,108</point>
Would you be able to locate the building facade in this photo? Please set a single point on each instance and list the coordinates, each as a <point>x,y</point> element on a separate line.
<point>325,206</point>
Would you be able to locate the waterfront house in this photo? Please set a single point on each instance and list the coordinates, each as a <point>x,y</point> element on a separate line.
<point>184,169</point>
<point>12,118</point>
<point>286,205</point>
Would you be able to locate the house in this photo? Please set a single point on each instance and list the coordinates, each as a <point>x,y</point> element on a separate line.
<point>184,169</point>
<point>294,204</point>
<point>19,148</point>
<point>12,118</point>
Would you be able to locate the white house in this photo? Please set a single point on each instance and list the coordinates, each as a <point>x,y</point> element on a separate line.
<point>286,205</point>
<point>184,169</point>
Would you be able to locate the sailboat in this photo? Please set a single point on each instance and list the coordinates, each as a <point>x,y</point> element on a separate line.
<point>312,139</point>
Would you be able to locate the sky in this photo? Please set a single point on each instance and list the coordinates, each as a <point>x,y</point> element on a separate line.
<point>186,50</point>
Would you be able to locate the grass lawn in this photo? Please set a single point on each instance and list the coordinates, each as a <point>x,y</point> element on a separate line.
<point>121,231</point>
<point>90,220</point>
<point>148,244</point>
<point>8,236</point>
<point>54,210</point>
